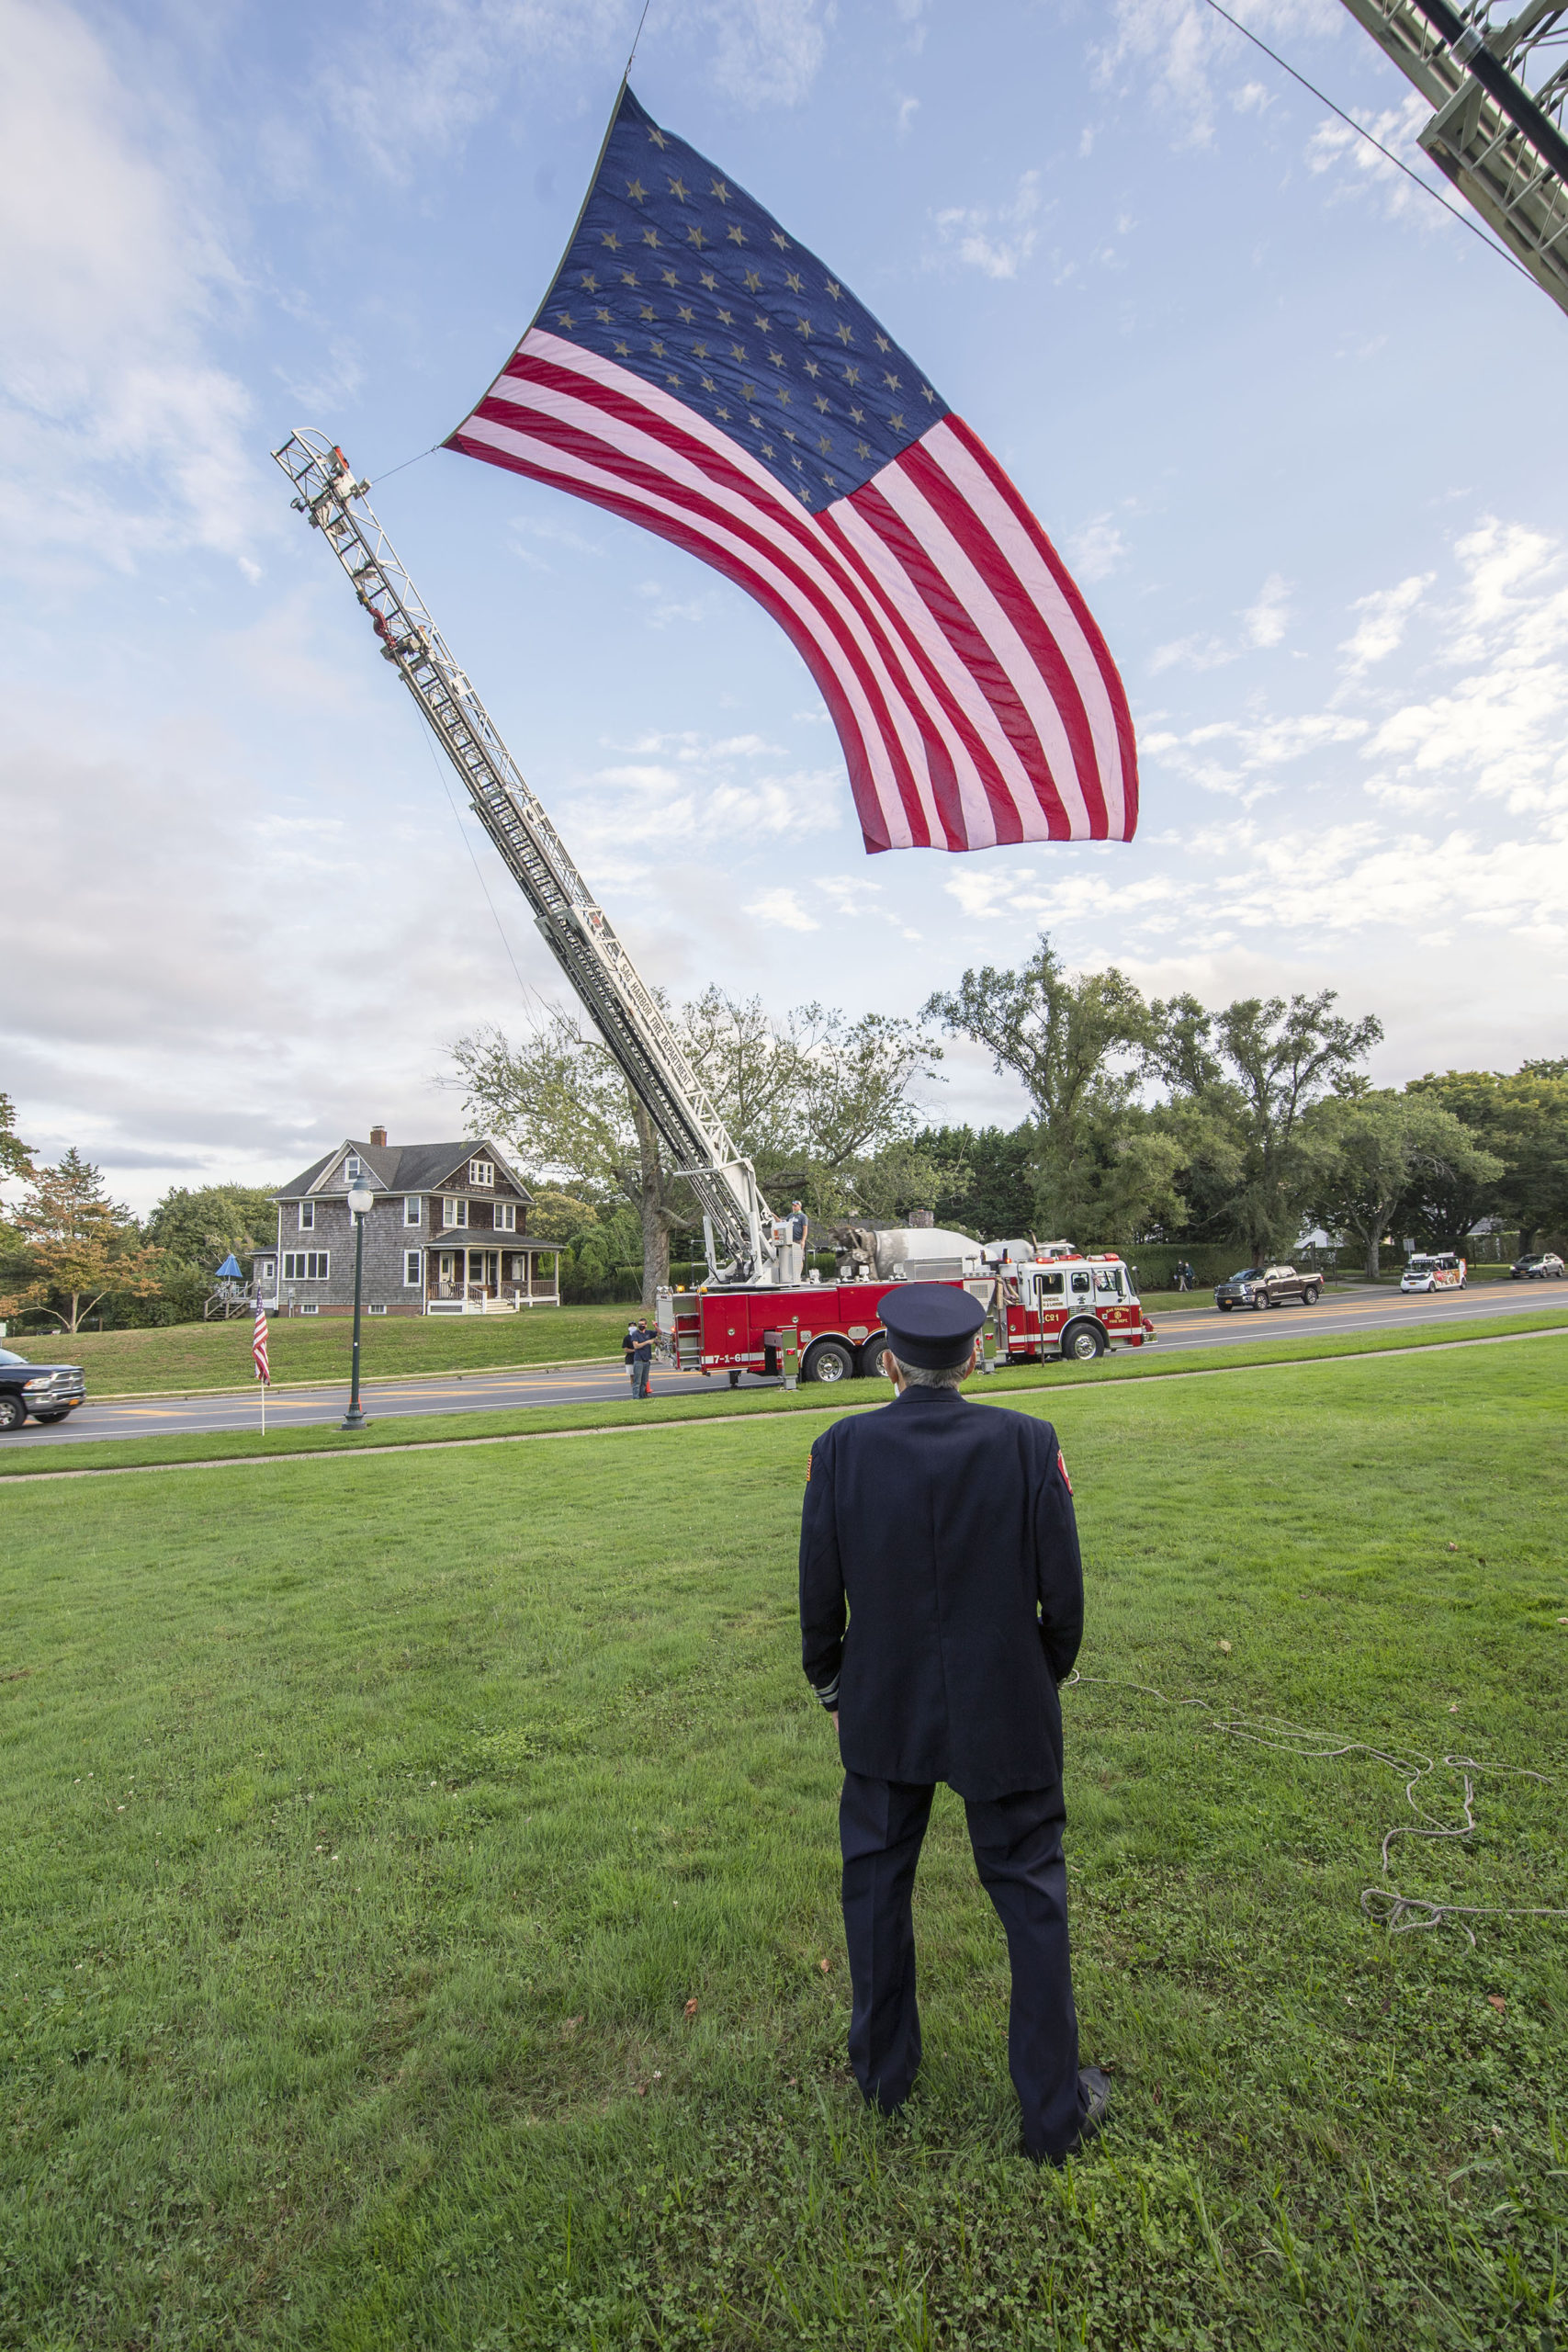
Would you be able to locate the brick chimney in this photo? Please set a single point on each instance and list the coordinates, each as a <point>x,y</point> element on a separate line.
<point>377,1139</point>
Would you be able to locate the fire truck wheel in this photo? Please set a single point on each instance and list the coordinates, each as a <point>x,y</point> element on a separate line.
<point>872,1366</point>
<point>1084,1342</point>
<point>828,1359</point>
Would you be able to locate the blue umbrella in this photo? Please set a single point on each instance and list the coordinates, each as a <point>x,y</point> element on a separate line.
<point>229,1272</point>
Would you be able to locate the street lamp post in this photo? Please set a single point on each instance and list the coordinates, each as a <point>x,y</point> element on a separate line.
<point>359,1199</point>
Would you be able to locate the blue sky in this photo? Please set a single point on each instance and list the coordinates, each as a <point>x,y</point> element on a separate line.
<point>1283,417</point>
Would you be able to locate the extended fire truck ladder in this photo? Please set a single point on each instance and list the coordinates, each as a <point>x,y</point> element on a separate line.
<point>736,1222</point>
<point>1498,132</point>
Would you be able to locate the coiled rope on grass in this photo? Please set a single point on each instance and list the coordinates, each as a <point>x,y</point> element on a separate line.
<point>1385,1904</point>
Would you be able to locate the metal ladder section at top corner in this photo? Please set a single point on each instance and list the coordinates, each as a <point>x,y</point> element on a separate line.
<point>1499,89</point>
<point>623,1008</point>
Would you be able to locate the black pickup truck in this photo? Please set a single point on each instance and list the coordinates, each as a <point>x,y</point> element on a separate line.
<point>47,1391</point>
<point>1267,1286</point>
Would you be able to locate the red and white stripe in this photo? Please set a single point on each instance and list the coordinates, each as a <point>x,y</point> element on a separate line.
<point>973,694</point>
<point>258,1345</point>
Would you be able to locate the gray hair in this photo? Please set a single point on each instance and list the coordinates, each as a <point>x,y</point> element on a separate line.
<point>918,1375</point>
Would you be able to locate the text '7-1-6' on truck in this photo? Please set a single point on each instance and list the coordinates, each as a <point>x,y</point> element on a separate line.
<point>1041,1303</point>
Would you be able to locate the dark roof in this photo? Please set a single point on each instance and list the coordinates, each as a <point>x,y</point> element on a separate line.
<point>407,1167</point>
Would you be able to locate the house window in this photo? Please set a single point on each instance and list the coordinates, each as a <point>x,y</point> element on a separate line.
<point>307,1216</point>
<point>412,1259</point>
<point>307,1310</point>
<point>306,1265</point>
<point>481,1171</point>
<point>413,1209</point>
<point>266,1270</point>
<point>375,1310</point>
<point>354,1168</point>
<point>453,1211</point>
<point>506,1217</point>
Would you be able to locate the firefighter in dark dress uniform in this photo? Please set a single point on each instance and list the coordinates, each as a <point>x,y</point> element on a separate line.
<point>941,1534</point>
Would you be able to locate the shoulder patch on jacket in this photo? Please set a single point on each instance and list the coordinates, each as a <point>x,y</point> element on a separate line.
<point>1061,1466</point>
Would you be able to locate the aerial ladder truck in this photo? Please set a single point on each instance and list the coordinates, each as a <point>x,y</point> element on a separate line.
<point>745,1317</point>
<point>1498,90</point>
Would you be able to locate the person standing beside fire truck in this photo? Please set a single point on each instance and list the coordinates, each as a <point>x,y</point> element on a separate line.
<point>943,1533</point>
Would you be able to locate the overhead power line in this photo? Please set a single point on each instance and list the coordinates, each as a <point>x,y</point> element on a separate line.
<point>1362,132</point>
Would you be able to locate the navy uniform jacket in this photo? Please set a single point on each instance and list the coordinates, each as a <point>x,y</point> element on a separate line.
<point>945,1533</point>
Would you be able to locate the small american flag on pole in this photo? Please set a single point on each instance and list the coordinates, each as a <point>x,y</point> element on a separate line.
<point>697,371</point>
<point>258,1343</point>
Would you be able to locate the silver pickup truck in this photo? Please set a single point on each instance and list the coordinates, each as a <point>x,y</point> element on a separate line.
<point>1259,1287</point>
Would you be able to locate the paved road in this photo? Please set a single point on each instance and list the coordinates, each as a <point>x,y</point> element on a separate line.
<point>1199,1326</point>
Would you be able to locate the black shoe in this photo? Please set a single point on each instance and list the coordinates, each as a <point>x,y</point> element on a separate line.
<point>1094,2100</point>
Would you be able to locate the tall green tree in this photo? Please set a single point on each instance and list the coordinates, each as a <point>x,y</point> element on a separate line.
<point>79,1247</point>
<point>1366,1151</point>
<point>1076,1041</point>
<point>15,1164</point>
<point>1522,1120</point>
<point>809,1099</point>
<point>1251,1072</point>
<point>200,1227</point>
<point>988,1178</point>
<point>16,1157</point>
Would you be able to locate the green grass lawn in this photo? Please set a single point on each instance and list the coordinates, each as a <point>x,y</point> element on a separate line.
<point>311,1347</point>
<point>369,1830</point>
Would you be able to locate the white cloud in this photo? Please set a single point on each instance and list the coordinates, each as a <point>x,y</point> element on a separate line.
<point>1096,550</point>
<point>908,109</point>
<point>699,791</point>
<point>784,910</point>
<point>419,79</point>
<point>995,239</point>
<point>1500,727</point>
<point>769,52</point>
<point>979,892</point>
<point>1263,625</point>
<point>118,432</point>
<point>1240,758</point>
<point>1176,51</point>
<point>1335,147</point>
<point>663,608</point>
<point>1386,616</point>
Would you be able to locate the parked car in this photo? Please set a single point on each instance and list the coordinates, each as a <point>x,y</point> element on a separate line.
<point>47,1391</point>
<point>1267,1286</point>
<point>1542,1266</point>
<point>1439,1270</point>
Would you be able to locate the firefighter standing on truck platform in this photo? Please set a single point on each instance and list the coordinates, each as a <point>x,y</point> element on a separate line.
<point>945,1533</point>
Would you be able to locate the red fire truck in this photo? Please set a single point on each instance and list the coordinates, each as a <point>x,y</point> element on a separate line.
<point>1039,1306</point>
<point>754,1303</point>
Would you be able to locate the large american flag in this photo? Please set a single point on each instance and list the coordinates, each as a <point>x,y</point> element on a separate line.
<point>258,1343</point>
<point>698,371</point>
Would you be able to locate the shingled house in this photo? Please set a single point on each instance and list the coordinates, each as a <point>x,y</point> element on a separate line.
<point>447,1233</point>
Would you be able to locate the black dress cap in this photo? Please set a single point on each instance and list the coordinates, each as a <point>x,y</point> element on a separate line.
<point>932,1324</point>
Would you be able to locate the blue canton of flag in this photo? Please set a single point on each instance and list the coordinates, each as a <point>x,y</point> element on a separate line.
<point>681,277</point>
<point>698,371</point>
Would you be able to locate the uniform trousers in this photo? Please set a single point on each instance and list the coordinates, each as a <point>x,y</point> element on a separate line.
<point>1017,1842</point>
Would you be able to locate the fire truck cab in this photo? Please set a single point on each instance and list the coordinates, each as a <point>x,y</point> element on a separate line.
<point>1057,1303</point>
